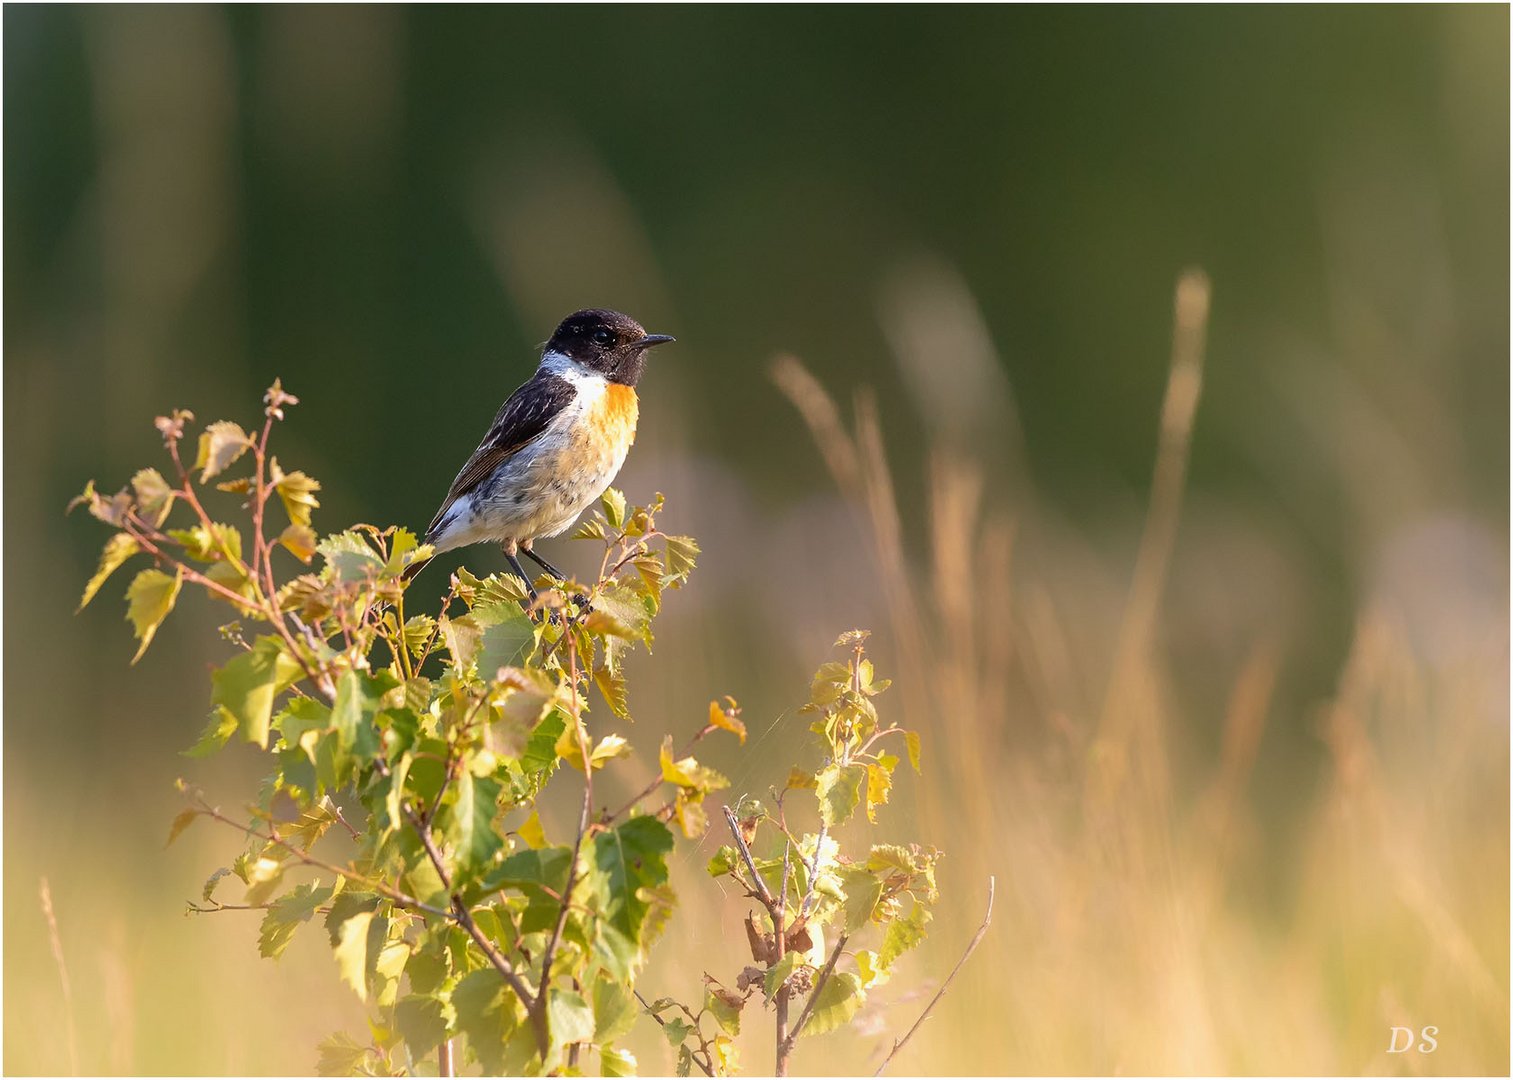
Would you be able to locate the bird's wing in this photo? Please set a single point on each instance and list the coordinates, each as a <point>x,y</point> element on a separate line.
<point>521,419</point>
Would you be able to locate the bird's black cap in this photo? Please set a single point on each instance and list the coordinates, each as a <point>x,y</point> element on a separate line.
<point>609,342</point>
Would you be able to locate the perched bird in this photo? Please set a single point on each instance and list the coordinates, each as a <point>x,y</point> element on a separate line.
<point>555,445</point>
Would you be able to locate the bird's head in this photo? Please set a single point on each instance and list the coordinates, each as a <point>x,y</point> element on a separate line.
<point>608,342</point>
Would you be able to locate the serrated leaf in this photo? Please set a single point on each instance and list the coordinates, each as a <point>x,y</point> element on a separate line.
<point>340,1055</point>
<point>615,1010</point>
<point>221,443</point>
<point>911,740</point>
<point>569,1019</point>
<point>350,557</point>
<point>903,934</point>
<point>287,914</point>
<point>421,1021</point>
<point>838,1001</point>
<point>118,549</point>
<point>154,496</point>
<point>682,554</point>
<point>297,492</point>
<point>839,790</point>
<point>879,782</point>
<point>799,780</point>
<point>615,690</point>
<point>247,684</point>
<point>613,501</point>
<point>470,824</point>
<point>628,861</point>
<point>531,831</point>
<point>149,599</point>
<point>688,773</point>
<point>869,971</point>
<point>218,730</point>
<point>863,891</point>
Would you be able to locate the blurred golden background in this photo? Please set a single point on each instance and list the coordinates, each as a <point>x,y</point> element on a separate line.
<point>1219,696</point>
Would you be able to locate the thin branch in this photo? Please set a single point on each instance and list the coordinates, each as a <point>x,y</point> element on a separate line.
<point>400,898</point>
<point>651,788</point>
<point>819,984</point>
<point>538,1007</point>
<point>705,1069</point>
<point>899,1044</point>
<point>762,894</point>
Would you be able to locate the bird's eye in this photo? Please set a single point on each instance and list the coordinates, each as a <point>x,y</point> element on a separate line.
<point>603,336</point>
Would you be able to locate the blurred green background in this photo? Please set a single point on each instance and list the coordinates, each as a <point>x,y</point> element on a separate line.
<point>979,214</point>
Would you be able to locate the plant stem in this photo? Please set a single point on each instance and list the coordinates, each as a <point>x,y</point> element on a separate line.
<point>971,947</point>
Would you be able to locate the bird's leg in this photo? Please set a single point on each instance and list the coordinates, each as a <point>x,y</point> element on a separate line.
<point>510,547</point>
<point>541,562</point>
<point>582,598</point>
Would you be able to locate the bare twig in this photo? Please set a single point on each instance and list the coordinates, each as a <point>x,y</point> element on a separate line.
<point>899,1044</point>
<point>657,780</point>
<point>762,893</point>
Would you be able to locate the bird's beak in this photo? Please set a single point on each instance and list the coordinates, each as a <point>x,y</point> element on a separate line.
<point>652,339</point>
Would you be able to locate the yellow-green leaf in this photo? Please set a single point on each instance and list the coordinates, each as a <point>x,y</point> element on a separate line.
<point>879,782</point>
<point>300,540</point>
<point>297,492</point>
<point>154,496</point>
<point>118,549</point>
<point>221,443</point>
<point>149,600</point>
<point>728,718</point>
<point>838,1001</point>
<point>911,740</point>
<point>184,819</point>
<point>352,951</point>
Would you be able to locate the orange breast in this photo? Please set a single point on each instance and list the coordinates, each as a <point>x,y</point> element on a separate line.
<point>614,418</point>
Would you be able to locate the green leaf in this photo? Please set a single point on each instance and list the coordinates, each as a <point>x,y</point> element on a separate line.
<point>349,557</point>
<point>839,1000</point>
<point>341,1055</point>
<point>508,637</point>
<point>616,1062</point>
<point>613,686</point>
<point>357,700</point>
<point>676,1030</point>
<point>470,825</point>
<point>839,791</point>
<point>628,859</point>
<point>723,862</point>
<point>154,496</point>
<point>422,1023</point>
<point>879,782</point>
<point>487,1014</point>
<point>682,553</point>
<point>149,600</point>
<point>352,951</point>
<point>780,972</point>
<point>118,549</point>
<point>217,731</point>
<point>569,1019</point>
<point>286,915</point>
<point>903,934</point>
<point>613,501</point>
<point>247,684</point>
<point>911,740</point>
<point>725,1007</point>
<point>863,891</point>
<point>221,443</point>
<point>615,1010</point>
